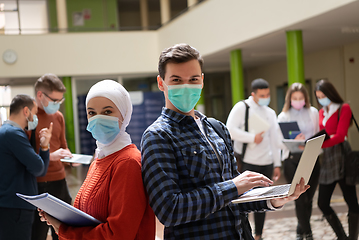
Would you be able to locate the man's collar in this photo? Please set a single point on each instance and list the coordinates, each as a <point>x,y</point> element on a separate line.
<point>12,123</point>
<point>178,117</point>
<point>252,102</point>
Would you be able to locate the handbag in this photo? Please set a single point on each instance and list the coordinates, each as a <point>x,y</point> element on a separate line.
<point>351,160</point>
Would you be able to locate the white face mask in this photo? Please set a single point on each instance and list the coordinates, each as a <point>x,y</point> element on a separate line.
<point>264,101</point>
<point>31,125</point>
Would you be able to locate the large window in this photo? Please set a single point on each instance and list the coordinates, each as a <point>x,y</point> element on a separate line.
<point>23,17</point>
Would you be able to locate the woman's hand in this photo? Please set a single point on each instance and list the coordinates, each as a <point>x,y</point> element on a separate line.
<point>44,217</point>
<point>300,136</point>
<point>299,189</point>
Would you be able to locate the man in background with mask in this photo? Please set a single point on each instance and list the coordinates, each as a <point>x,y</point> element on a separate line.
<point>262,154</point>
<point>49,91</point>
<point>187,169</point>
<point>20,165</point>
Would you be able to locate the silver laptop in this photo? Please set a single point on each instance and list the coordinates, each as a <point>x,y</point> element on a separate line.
<point>304,170</point>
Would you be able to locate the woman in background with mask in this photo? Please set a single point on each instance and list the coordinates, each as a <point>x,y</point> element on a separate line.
<point>335,117</point>
<point>113,191</point>
<point>297,108</point>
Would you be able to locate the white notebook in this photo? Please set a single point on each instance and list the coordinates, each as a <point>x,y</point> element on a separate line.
<point>78,158</point>
<point>60,210</point>
<point>256,124</point>
<point>304,170</point>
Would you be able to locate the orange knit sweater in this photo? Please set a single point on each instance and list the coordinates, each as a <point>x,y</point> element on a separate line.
<point>113,193</point>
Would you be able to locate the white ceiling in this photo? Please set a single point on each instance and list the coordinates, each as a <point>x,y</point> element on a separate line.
<point>332,29</point>
<point>321,32</point>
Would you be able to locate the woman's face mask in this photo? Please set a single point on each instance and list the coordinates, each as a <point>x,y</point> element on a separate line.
<point>103,128</point>
<point>324,101</point>
<point>297,104</point>
<point>184,96</point>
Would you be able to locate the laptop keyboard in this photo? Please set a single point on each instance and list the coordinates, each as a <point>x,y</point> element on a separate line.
<point>276,190</point>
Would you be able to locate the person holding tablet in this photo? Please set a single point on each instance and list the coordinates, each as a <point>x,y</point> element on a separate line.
<point>297,108</point>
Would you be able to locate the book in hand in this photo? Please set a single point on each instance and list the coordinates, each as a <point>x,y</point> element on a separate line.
<point>257,124</point>
<point>78,158</point>
<point>60,210</point>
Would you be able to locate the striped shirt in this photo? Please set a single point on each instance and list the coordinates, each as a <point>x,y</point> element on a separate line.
<point>188,191</point>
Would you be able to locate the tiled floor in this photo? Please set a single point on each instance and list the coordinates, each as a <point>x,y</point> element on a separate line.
<point>281,225</point>
<point>278,225</point>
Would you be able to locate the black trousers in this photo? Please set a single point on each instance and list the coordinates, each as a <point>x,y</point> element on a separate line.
<point>267,171</point>
<point>15,223</point>
<point>58,189</point>
<point>326,192</point>
<point>304,204</point>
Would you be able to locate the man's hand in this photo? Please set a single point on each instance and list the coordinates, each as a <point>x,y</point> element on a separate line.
<point>44,217</point>
<point>258,138</point>
<point>248,180</point>
<point>45,136</point>
<point>299,189</point>
<point>276,173</point>
<point>59,154</point>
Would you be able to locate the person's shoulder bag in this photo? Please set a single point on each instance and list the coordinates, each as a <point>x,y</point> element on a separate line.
<point>218,129</point>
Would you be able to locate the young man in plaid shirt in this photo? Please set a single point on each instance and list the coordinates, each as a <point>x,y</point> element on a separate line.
<point>188,172</point>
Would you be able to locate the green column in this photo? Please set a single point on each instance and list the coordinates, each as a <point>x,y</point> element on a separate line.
<point>69,115</point>
<point>237,81</point>
<point>295,62</point>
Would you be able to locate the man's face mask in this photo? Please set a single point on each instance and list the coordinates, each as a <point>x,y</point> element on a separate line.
<point>31,125</point>
<point>53,106</point>
<point>184,96</point>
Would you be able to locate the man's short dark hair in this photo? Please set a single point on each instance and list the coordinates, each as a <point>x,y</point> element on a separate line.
<point>48,83</point>
<point>259,83</point>
<point>19,102</point>
<point>179,53</point>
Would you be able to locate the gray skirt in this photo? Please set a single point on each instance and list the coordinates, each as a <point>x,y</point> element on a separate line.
<point>332,166</point>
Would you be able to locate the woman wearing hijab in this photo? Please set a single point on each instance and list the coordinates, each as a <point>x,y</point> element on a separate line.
<point>113,191</point>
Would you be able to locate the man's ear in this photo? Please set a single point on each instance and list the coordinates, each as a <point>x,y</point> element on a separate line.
<point>25,111</point>
<point>160,83</point>
<point>202,80</point>
<point>38,94</point>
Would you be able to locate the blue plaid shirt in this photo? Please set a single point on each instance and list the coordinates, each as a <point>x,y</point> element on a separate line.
<point>188,191</point>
